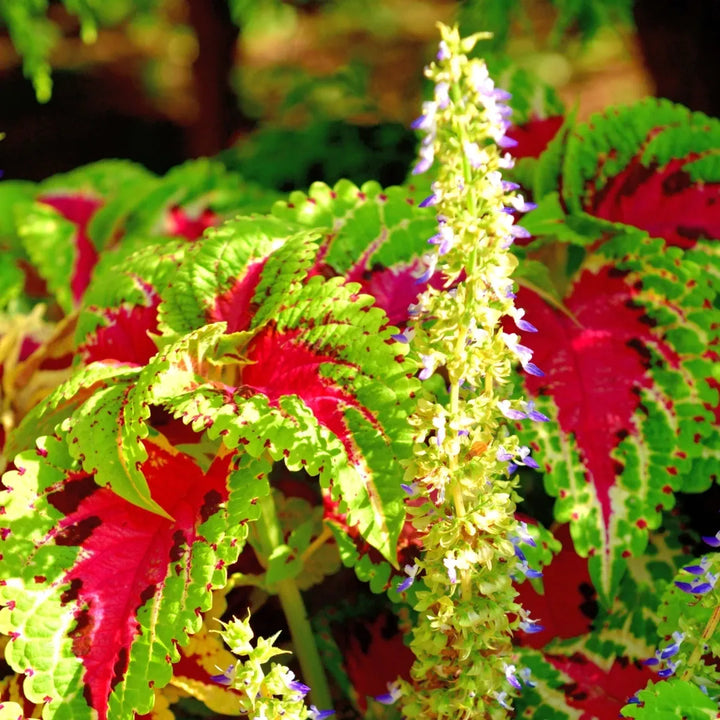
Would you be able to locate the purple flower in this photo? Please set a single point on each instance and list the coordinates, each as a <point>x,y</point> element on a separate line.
<point>423,165</point>
<point>510,412</point>
<point>503,455</point>
<point>411,571</point>
<point>669,670</point>
<point>444,239</point>
<point>511,677</point>
<point>533,369</point>
<point>316,714</point>
<point>427,120</point>
<point>517,231</point>
<point>506,142</point>
<point>428,367</point>
<point>530,573</point>
<point>225,678</point>
<point>509,186</point>
<point>442,95</point>
<point>712,540</point>
<point>531,627</point>
<point>429,201</point>
<point>391,696</point>
<point>524,535</point>
<point>299,687</point>
<point>501,697</point>
<point>525,677</point>
<point>534,414</point>
<point>450,564</point>
<point>525,325</point>
<point>409,489</point>
<point>443,52</point>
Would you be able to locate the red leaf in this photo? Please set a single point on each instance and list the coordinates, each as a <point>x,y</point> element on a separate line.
<point>127,553</point>
<point>281,365</point>
<point>533,137</point>
<point>598,693</point>
<point>666,202</point>
<point>568,606</point>
<point>594,366</point>
<point>235,306</point>
<point>79,209</point>
<point>376,655</point>
<point>125,336</point>
<point>180,224</point>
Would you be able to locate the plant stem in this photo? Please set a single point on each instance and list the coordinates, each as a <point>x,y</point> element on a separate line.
<point>304,646</point>
<point>700,647</point>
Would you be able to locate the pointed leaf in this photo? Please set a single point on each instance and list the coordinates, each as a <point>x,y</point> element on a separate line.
<point>113,590</point>
<point>624,373</point>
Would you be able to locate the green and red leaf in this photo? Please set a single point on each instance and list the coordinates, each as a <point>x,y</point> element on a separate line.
<point>625,365</point>
<point>112,590</point>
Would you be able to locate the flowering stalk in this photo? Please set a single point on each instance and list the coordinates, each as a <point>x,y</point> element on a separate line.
<point>264,694</point>
<point>465,455</point>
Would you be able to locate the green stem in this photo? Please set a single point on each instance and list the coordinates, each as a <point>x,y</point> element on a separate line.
<point>304,646</point>
<point>700,647</point>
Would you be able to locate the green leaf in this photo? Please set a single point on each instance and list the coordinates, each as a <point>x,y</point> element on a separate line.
<point>672,699</point>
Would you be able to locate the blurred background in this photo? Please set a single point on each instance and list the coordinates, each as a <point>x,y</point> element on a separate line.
<point>297,90</point>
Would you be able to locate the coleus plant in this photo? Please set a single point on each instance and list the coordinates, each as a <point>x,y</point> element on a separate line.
<point>197,421</point>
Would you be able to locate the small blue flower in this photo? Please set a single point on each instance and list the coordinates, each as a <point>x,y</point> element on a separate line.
<point>392,695</point>
<point>443,52</point>
<point>444,239</point>
<point>517,231</point>
<point>532,369</point>
<point>506,142</point>
<point>502,698</point>
<point>525,326</point>
<point>429,201</point>
<point>531,627</point>
<point>509,412</point>
<point>442,95</point>
<point>503,455</point>
<point>511,677</point>
<point>225,678</point>
<point>428,367</point>
<point>411,571</point>
<point>299,687</point>
<point>316,714</point>
<point>712,540</point>
<point>534,414</point>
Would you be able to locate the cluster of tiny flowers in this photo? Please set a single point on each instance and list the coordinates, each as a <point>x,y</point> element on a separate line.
<point>264,695</point>
<point>465,454</point>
